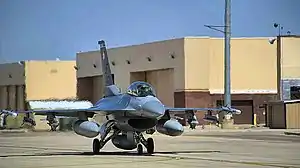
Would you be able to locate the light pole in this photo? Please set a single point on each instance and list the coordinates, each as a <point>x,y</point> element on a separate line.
<point>279,60</point>
<point>227,30</point>
<point>278,25</point>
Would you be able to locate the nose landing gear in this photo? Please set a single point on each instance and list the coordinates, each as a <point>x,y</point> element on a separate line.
<point>98,144</point>
<point>149,144</point>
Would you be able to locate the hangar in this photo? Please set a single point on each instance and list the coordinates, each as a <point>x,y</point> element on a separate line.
<point>23,81</point>
<point>188,72</point>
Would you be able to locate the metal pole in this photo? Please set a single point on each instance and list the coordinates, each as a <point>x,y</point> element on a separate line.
<point>279,41</point>
<point>279,62</point>
<point>227,83</point>
<point>227,30</point>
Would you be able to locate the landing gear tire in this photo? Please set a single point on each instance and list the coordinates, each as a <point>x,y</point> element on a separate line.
<point>140,149</point>
<point>150,146</point>
<point>96,146</point>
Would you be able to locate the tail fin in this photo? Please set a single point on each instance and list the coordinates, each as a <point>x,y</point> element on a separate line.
<point>109,86</point>
<point>107,76</point>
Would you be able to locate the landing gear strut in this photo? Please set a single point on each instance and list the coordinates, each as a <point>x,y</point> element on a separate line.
<point>149,144</point>
<point>98,144</point>
<point>52,122</point>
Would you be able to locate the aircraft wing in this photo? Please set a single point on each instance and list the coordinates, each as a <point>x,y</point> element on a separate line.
<point>226,109</point>
<point>64,108</point>
<point>192,119</point>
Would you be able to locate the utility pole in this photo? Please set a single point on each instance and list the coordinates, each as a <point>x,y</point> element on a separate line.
<point>224,118</point>
<point>227,30</point>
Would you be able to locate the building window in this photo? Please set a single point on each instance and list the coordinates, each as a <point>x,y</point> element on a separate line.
<point>295,92</point>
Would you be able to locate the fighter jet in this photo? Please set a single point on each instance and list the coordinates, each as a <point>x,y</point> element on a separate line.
<point>129,115</point>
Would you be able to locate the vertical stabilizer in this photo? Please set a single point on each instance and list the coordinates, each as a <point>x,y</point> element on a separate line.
<point>107,76</point>
<point>109,87</point>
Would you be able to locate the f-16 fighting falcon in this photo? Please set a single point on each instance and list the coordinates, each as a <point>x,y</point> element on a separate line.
<point>128,115</point>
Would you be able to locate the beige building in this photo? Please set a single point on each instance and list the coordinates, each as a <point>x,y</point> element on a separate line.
<point>289,51</point>
<point>35,80</point>
<point>188,72</point>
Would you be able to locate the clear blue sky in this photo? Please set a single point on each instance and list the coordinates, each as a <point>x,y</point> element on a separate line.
<point>40,29</point>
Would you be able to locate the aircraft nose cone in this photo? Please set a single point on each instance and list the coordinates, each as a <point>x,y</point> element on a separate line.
<point>154,108</point>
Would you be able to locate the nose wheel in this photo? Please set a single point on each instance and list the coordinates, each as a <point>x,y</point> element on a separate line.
<point>149,144</point>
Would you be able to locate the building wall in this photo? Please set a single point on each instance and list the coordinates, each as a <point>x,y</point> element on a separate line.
<point>35,80</point>
<point>140,68</point>
<point>194,78</point>
<point>12,81</point>
<point>290,51</point>
<point>12,74</point>
<point>198,64</point>
<point>50,80</point>
<point>253,65</point>
<point>197,57</point>
<point>290,73</point>
<point>137,55</point>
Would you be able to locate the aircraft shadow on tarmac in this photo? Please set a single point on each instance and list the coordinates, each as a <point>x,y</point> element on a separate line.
<point>64,152</point>
<point>124,153</point>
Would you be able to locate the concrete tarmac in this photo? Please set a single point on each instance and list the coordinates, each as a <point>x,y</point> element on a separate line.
<point>193,149</point>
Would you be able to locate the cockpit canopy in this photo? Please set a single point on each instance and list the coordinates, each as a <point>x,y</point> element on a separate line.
<point>141,89</point>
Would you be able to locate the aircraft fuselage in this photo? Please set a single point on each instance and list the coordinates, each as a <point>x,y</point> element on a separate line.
<point>145,113</point>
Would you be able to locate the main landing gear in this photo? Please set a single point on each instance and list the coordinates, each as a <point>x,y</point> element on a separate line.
<point>149,144</point>
<point>132,137</point>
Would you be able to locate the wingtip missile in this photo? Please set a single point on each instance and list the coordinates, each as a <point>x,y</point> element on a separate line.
<point>11,113</point>
<point>231,110</point>
<point>237,111</point>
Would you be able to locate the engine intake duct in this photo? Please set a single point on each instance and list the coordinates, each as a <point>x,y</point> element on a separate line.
<point>141,123</point>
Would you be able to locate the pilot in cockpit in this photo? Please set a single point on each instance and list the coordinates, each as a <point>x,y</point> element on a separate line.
<point>144,90</point>
<point>141,89</point>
